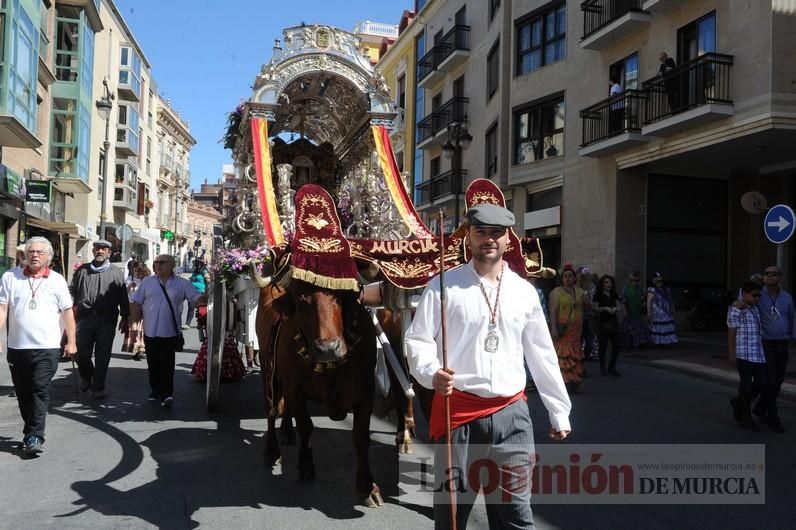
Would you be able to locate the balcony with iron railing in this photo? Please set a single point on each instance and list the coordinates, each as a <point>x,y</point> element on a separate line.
<point>432,129</point>
<point>613,124</point>
<point>605,22</point>
<point>691,94</point>
<point>694,93</point>
<point>442,186</point>
<point>661,6</point>
<point>446,55</point>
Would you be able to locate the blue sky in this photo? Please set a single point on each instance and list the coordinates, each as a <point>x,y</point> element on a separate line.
<point>205,54</point>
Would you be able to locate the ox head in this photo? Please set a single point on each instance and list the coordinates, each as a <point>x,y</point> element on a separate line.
<point>326,318</point>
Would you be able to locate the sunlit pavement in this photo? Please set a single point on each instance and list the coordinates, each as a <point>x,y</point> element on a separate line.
<point>124,462</point>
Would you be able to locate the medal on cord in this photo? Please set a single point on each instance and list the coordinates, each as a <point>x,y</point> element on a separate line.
<point>492,340</point>
<point>32,304</point>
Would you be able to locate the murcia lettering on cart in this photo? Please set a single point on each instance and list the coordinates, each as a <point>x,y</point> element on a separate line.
<point>398,247</point>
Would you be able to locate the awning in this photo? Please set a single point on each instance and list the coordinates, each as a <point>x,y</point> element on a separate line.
<point>152,235</point>
<point>73,230</point>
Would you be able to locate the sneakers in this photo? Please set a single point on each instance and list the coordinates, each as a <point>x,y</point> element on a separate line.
<point>167,402</point>
<point>32,445</point>
<point>85,384</point>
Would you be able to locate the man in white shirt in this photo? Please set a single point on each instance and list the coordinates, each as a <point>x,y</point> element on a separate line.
<point>37,305</point>
<point>617,109</point>
<point>162,333</point>
<point>494,321</point>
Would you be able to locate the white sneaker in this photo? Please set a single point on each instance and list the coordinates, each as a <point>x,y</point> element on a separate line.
<point>167,402</point>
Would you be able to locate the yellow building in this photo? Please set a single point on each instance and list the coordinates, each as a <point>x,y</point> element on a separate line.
<point>397,63</point>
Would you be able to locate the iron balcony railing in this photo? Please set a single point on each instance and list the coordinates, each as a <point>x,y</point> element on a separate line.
<point>612,116</point>
<point>701,81</point>
<point>453,110</point>
<point>458,38</point>
<point>599,13</point>
<point>447,183</point>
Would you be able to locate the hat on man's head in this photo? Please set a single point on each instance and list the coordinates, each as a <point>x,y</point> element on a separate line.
<point>103,243</point>
<point>486,214</point>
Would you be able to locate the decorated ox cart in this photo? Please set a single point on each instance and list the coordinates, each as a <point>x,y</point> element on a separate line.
<point>318,184</point>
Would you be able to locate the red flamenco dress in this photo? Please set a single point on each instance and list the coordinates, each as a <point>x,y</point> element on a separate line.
<point>232,368</point>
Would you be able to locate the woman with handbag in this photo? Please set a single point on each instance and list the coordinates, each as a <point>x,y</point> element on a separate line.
<point>567,303</point>
<point>606,306</point>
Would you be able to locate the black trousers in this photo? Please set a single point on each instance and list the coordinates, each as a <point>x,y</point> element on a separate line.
<point>776,365</point>
<point>752,376</point>
<point>160,361</point>
<point>506,439</point>
<point>95,335</point>
<point>606,334</point>
<point>31,371</point>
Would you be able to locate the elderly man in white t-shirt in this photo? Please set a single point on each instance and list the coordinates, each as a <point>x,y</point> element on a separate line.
<point>37,305</point>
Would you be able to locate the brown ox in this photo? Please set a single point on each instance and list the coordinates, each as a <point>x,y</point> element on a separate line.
<point>325,352</point>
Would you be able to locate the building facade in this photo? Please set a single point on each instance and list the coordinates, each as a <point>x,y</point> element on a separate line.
<point>648,180</point>
<point>202,219</point>
<point>174,176</point>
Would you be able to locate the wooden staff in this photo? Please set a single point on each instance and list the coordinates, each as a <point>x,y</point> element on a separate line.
<point>442,300</point>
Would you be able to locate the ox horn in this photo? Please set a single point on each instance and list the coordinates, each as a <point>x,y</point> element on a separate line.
<point>261,282</point>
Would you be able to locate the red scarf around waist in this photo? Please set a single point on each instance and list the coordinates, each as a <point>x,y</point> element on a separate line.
<point>466,407</point>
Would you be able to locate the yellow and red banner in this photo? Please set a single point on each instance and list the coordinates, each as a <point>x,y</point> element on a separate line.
<point>265,184</point>
<point>392,177</point>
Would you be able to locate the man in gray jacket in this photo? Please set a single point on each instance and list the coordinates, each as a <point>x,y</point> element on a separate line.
<point>100,296</point>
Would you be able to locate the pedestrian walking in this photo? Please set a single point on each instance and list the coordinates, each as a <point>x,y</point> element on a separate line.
<point>200,279</point>
<point>745,343</point>
<point>777,321</point>
<point>99,291</point>
<point>156,301</point>
<point>660,309</point>
<point>606,304</point>
<point>134,339</point>
<point>495,321</point>
<point>36,304</point>
<point>567,304</point>
<point>634,327</point>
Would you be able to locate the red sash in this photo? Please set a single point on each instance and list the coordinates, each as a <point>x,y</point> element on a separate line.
<point>466,407</point>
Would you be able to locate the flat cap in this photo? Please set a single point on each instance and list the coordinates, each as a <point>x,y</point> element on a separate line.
<point>490,215</point>
<point>102,243</point>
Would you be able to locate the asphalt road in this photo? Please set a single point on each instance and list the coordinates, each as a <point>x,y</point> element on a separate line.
<point>126,463</point>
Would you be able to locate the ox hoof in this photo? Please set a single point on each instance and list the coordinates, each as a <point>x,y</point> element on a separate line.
<point>374,500</point>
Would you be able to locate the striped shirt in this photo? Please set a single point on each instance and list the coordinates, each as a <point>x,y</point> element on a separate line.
<point>748,340</point>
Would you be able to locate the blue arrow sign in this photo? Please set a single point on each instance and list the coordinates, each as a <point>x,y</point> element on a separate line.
<point>779,224</point>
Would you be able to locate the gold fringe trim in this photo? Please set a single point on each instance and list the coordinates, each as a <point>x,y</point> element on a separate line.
<point>324,282</point>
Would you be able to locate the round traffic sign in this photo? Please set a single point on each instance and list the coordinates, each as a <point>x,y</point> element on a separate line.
<point>779,224</point>
<point>125,232</point>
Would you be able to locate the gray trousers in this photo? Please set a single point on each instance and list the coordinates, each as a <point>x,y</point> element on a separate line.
<point>95,335</point>
<point>492,454</point>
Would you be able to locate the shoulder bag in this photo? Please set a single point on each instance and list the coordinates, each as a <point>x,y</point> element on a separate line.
<point>179,339</point>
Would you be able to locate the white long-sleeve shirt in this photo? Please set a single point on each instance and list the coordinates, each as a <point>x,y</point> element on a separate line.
<point>521,328</point>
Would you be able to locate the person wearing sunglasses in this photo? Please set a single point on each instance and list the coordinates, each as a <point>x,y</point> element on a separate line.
<point>745,344</point>
<point>159,300</point>
<point>777,322</point>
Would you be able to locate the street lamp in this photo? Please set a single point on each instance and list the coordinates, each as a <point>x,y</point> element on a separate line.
<point>104,107</point>
<point>459,139</point>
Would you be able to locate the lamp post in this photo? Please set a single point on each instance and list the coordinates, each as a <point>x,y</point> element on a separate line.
<point>459,139</point>
<point>104,107</point>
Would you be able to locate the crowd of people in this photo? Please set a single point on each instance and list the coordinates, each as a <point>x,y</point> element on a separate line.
<point>47,317</point>
<point>591,320</point>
